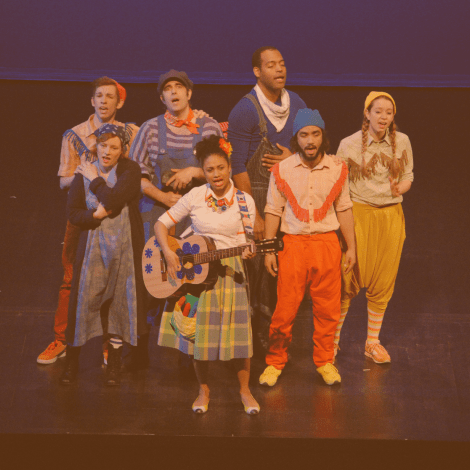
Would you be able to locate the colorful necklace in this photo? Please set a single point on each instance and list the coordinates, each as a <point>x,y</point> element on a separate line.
<point>218,205</point>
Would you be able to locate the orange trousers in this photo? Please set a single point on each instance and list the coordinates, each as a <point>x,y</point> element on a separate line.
<point>72,234</point>
<point>311,261</point>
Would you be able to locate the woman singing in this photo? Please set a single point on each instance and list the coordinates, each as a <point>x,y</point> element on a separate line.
<point>380,165</point>
<point>223,326</point>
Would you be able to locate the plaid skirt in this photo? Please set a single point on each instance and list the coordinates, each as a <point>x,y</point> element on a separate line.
<point>223,320</point>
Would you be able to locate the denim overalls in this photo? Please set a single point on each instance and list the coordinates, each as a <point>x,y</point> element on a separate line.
<point>168,158</point>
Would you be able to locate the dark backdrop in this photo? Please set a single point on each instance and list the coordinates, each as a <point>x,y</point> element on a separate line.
<point>335,42</point>
<point>433,277</point>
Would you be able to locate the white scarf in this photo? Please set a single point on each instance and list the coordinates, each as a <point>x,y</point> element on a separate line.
<point>276,114</point>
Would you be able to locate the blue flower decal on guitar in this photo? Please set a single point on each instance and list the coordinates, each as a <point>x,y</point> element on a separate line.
<point>156,243</point>
<point>148,253</point>
<point>187,268</point>
<point>148,268</point>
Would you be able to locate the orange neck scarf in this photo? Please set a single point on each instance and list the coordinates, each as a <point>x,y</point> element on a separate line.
<point>174,121</point>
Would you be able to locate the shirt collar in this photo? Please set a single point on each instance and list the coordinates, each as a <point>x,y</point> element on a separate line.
<point>325,162</point>
<point>90,126</point>
<point>385,139</point>
<point>228,196</point>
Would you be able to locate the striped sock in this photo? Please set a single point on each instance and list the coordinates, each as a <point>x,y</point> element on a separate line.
<point>340,325</point>
<point>374,323</point>
<point>115,342</point>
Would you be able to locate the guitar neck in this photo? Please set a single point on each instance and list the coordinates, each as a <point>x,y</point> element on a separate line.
<point>209,256</point>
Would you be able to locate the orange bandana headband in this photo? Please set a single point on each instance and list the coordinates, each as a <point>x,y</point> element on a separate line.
<point>121,91</point>
<point>376,94</point>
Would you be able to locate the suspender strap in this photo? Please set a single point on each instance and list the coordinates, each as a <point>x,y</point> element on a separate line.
<point>198,137</point>
<point>262,122</point>
<point>161,132</point>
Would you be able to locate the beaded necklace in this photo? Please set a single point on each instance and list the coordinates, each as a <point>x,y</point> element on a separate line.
<point>218,205</point>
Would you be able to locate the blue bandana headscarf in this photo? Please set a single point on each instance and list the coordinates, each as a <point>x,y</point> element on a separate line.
<point>118,131</point>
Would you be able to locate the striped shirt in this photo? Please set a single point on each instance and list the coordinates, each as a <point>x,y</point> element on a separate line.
<point>145,149</point>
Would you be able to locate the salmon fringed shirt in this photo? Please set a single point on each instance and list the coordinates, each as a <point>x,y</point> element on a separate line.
<point>307,199</point>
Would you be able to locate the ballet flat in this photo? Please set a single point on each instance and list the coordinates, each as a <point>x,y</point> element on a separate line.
<point>251,410</point>
<point>200,409</point>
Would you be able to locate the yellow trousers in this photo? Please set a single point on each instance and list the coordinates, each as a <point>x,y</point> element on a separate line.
<point>380,234</point>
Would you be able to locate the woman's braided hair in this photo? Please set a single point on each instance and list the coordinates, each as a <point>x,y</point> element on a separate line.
<point>392,131</point>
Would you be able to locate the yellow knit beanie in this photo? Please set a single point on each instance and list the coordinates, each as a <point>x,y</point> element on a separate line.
<point>376,94</point>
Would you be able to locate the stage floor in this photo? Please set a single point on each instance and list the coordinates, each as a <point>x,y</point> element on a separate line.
<point>422,396</point>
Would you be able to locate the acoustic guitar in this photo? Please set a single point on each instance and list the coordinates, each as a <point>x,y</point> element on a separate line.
<point>197,255</point>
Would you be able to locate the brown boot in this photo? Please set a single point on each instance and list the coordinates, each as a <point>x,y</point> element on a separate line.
<point>113,369</point>
<point>69,374</point>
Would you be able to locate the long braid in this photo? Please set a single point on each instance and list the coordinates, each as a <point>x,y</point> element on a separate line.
<point>365,135</point>
<point>392,131</point>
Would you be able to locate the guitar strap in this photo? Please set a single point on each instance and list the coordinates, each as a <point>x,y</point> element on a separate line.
<point>249,234</point>
<point>245,215</point>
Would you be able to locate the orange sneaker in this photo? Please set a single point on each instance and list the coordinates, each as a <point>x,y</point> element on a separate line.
<point>55,350</point>
<point>377,353</point>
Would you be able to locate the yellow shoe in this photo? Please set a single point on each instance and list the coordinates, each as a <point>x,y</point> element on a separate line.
<point>269,376</point>
<point>329,374</point>
<point>377,353</point>
<point>55,350</point>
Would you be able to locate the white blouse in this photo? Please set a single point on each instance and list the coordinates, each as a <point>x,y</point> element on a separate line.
<point>225,228</point>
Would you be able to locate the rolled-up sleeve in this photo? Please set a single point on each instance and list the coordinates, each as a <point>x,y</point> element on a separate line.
<point>275,201</point>
<point>343,201</point>
<point>408,174</point>
<point>178,212</point>
<point>69,160</point>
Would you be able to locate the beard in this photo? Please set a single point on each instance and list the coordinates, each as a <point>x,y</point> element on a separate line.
<point>310,158</point>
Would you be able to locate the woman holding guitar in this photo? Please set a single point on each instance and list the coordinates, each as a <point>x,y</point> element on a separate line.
<point>223,324</point>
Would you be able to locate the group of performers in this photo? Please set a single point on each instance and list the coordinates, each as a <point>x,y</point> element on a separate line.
<point>340,217</point>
